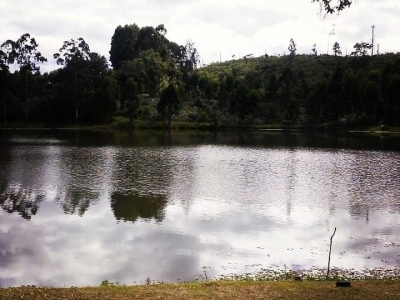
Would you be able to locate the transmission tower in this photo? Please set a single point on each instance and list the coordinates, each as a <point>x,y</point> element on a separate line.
<point>373,39</point>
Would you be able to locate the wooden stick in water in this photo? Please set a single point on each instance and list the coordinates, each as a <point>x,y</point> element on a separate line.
<point>330,251</point>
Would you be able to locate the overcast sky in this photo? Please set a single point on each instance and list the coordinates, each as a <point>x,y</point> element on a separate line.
<point>216,27</point>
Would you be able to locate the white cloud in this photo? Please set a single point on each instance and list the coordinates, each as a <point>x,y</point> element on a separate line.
<point>216,27</point>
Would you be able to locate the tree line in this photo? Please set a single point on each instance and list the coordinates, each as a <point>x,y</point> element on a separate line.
<point>154,80</point>
<point>146,68</point>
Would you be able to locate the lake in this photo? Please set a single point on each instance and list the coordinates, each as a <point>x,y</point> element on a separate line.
<point>77,207</point>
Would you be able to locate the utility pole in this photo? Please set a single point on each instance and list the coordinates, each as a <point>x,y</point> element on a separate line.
<point>373,39</point>
<point>330,33</point>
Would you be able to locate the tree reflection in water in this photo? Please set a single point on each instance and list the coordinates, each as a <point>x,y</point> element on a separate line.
<point>26,202</point>
<point>74,201</point>
<point>132,206</point>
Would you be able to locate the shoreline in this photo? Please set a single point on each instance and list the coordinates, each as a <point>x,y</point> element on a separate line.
<point>289,289</point>
<point>182,126</point>
<point>315,274</point>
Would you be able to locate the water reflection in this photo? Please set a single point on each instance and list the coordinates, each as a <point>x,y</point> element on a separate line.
<point>21,171</point>
<point>373,184</point>
<point>17,200</point>
<point>82,175</point>
<point>126,206</point>
<point>154,138</point>
<point>74,177</point>
<point>130,207</point>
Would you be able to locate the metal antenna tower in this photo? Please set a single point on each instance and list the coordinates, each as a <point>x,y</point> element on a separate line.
<point>332,32</point>
<point>373,39</point>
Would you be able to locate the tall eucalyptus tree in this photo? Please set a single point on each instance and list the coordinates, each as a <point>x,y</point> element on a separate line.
<point>25,53</point>
<point>73,54</point>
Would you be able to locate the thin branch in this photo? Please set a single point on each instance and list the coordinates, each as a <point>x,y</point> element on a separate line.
<point>330,251</point>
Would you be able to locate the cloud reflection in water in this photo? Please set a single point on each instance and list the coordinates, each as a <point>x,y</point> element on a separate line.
<point>127,213</point>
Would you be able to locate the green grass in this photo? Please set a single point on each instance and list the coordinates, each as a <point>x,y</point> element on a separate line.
<point>299,290</point>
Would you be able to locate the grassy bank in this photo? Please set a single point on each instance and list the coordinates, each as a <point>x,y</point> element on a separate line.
<point>218,290</point>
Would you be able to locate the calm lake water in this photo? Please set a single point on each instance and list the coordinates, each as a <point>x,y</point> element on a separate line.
<point>77,208</point>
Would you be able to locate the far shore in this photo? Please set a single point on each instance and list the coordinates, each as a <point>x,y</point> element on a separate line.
<point>139,125</point>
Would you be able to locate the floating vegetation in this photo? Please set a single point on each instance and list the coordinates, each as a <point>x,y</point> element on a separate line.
<point>316,274</point>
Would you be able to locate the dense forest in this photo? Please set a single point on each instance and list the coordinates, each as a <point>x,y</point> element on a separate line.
<point>151,81</point>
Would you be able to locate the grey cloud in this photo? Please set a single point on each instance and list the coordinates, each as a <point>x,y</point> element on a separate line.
<point>247,22</point>
<point>54,22</point>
